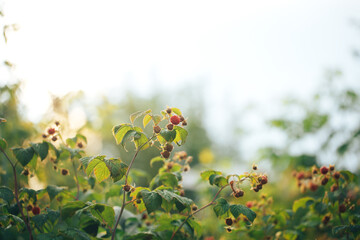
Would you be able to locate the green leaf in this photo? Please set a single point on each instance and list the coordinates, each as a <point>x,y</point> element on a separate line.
<point>181,202</point>
<point>236,210</point>
<point>33,161</point>
<point>141,141</point>
<point>78,138</point>
<point>99,167</point>
<point>119,132</point>
<point>176,111</point>
<point>221,207</point>
<point>42,149</point>
<point>147,119</point>
<point>28,194</point>
<point>152,200</point>
<point>69,209</point>
<point>18,221</point>
<point>81,137</point>
<point>302,203</point>
<point>23,155</point>
<point>39,220</point>
<point>156,159</point>
<point>206,174</point>
<point>196,226</point>
<point>169,136</point>
<point>181,135</point>
<point>3,144</point>
<point>103,213</point>
<point>85,161</point>
<point>156,118</point>
<point>117,168</point>
<point>137,114</point>
<point>218,180</point>
<point>6,194</point>
<point>75,233</point>
<point>142,236</point>
<point>48,236</point>
<point>53,191</point>
<point>168,179</point>
<point>290,235</point>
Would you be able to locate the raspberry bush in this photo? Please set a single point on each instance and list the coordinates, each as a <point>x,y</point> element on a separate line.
<point>159,210</point>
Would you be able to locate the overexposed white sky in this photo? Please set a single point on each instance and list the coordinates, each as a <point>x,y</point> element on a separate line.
<point>243,51</point>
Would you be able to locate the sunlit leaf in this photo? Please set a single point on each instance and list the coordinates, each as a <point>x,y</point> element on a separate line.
<point>23,155</point>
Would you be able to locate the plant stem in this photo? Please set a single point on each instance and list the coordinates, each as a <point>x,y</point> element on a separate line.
<point>77,180</point>
<point>200,209</point>
<point>17,194</point>
<point>126,181</point>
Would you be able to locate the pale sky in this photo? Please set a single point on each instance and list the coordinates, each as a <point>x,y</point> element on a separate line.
<point>244,50</point>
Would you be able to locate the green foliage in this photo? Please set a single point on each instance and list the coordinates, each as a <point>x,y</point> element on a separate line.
<point>156,206</point>
<point>24,155</point>
<point>6,194</point>
<point>104,168</point>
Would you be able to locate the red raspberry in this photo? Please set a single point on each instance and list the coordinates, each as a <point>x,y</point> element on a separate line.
<point>342,208</point>
<point>325,219</point>
<point>127,188</point>
<point>239,194</point>
<point>35,210</point>
<point>264,180</point>
<point>313,187</point>
<point>157,129</point>
<point>300,175</point>
<point>324,170</point>
<point>165,154</point>
<point>168,147</point>
<point>229,221</point>
<point>249,204</point>
<point>51,131</point>
<point>175,120</point>
<point>170,126</point>
<point>336,175</point>
<point>64,172</point>
<point>324,181</point>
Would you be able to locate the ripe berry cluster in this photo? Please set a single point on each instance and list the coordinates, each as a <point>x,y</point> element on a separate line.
<point>316,177</point>
<point>52,132</point>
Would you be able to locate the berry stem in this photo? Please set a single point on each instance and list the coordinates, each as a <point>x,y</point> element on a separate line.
<point>200,209</point>
<point>126,181</point>
<point>17,194</point>
<point>76,179</point>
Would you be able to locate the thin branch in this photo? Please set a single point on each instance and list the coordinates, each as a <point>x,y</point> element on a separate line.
<point>126,181</point>
<point>75,172</point>
<point>77,180</point>
<point>17,194</point>
<point>200,209</point>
